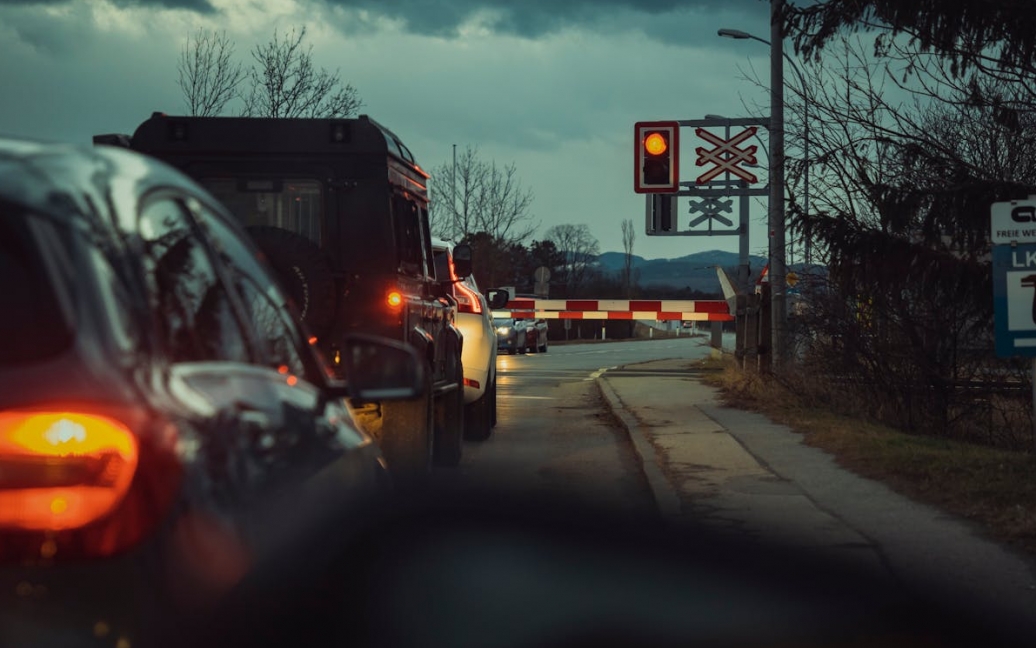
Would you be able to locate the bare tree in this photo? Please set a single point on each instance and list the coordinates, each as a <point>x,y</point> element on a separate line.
<point>286,83</point>
<point>208,76</point>
<point>580,248</point>
<point>628,236</point>
<point>475,196</point>
<point>455,196</point>
<point>903,176</point>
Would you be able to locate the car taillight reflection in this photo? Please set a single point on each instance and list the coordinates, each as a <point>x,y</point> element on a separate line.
<point>62,470</point>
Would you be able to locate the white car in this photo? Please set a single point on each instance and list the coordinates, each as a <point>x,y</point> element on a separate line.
<point>474,318</point>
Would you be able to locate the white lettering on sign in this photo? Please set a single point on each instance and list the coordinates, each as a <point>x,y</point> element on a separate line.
<point>1013,221</point>
<point>1030,259</point>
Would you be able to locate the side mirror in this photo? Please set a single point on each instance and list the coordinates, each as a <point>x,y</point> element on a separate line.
<point>497,298</point>
<point>462,260</point>
<point>378,369</point>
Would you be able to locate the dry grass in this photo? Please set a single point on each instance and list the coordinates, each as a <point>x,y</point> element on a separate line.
<point>994,488</point>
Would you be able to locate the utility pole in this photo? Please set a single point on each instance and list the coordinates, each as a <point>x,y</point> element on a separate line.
<point>778,270</point>
<point>453,191</point>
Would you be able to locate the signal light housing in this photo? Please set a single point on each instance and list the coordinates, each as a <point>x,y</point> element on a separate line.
<point>661,214</point>
<point>656,157</point>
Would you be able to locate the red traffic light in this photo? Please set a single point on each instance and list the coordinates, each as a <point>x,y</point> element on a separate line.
<point>656,157</point>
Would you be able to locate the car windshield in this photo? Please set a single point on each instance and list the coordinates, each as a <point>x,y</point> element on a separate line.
<point>32,315</point>
<point>797,305</point>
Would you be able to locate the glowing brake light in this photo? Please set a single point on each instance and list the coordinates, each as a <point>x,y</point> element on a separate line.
<point>394,299</point>
<point>467,299</point>
<point>62,470</point>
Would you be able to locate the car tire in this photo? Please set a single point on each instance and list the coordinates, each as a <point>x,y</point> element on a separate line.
<point>304,271</point>
<point>405,436</point>
<point>478,424</point>
<point>449,422</point>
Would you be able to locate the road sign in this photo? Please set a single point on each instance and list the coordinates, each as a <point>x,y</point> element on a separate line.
<point>791,278</point>
<point>726,156</point>
<point>1013,221</point>
<point>1014,299</point>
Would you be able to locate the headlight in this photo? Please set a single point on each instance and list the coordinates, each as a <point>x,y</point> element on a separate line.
<point>504,330</point>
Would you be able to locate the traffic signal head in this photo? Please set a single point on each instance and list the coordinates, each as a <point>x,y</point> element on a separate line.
<point>656,157</point>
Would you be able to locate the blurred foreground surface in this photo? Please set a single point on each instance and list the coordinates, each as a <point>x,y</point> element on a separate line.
<point>449,568</point>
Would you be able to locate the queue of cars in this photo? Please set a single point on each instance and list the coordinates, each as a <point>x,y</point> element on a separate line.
<point>520,335</point>
<point>173,435</point>
<point>170,437</point>
<point>339,208</point>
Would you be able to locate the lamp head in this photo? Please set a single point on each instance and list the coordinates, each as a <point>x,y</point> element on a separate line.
<point>734,33</point>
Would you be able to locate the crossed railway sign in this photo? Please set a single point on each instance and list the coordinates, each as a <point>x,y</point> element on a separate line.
<point>726,156</point>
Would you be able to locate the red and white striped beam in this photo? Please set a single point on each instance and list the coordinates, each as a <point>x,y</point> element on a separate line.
<point>619,309</point>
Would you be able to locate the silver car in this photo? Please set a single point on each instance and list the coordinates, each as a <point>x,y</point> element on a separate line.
<point>510,334</point>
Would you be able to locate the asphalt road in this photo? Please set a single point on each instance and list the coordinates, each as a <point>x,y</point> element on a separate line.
<point>555,437</point>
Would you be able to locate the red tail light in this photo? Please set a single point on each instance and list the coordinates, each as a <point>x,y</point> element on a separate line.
<point>394,299</point>
<point>71,482</point>
<point>62,470</point>
<point>467,299</point>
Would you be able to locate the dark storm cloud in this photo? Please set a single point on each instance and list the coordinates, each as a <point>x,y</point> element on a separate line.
<point>201,6</point>
<point>527,18</point>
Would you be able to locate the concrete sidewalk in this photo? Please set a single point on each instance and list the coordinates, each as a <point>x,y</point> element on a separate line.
<point>741,473</point>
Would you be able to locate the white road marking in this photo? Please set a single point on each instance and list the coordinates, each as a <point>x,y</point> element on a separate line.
<point>597,374</point>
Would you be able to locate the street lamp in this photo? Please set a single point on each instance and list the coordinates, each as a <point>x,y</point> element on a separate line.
<point>740,35</point>
<point>778,269</point>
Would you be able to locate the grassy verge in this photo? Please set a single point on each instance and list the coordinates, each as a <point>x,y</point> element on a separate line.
<point>994,488</point>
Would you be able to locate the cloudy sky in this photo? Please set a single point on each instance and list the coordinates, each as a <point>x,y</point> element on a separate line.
<point>552,86</point>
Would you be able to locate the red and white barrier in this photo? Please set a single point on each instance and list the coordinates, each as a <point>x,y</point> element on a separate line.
<point>618,309</point>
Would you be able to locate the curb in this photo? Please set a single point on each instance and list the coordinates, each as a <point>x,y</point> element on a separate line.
<point>666,499</point>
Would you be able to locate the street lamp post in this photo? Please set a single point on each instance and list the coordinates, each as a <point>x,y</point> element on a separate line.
<point>740,35</point>
<point>778,269</point>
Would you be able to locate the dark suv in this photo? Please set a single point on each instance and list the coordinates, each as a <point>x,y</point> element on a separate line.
<point>169,439</point>
<point>340,208</point>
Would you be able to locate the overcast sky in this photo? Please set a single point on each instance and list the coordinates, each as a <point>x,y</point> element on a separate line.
<point>553,86</point>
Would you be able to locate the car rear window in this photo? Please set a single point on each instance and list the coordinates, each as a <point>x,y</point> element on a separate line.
<point>32,326</point>
<point>294,204</point>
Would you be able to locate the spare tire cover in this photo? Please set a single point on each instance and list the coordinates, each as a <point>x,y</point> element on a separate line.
<point>304,271</point>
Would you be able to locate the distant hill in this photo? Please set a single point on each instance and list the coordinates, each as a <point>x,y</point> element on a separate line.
<point>697,271</point>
